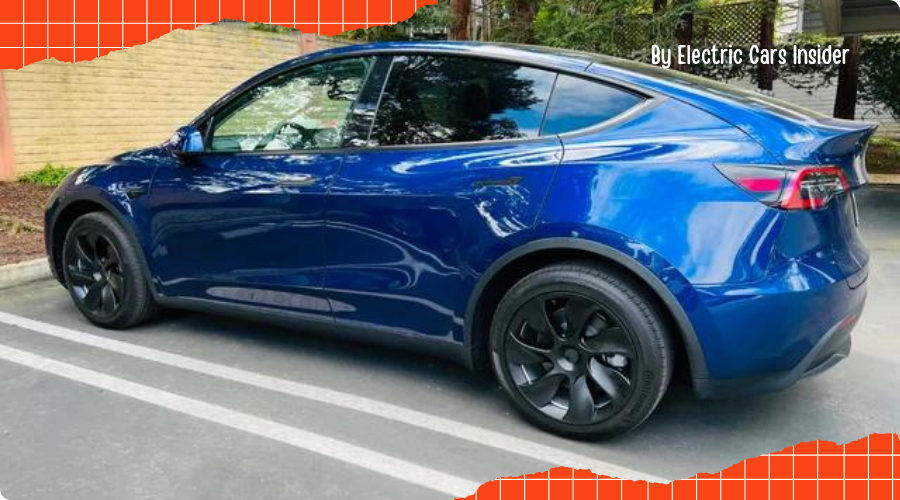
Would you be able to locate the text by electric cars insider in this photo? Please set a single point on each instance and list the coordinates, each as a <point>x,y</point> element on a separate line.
<point>689,55</point>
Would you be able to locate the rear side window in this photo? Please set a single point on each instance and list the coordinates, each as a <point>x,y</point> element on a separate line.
<point>578,103</point>
<point>438,99</point>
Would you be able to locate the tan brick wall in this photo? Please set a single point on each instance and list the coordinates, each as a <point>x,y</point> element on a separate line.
<point>78,114</point>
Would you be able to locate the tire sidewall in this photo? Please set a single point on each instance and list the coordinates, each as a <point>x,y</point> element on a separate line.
<point>650,379</point>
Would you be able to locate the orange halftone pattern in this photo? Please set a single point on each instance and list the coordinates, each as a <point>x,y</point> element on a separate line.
<point>865,469</point>
<point>80,30</point>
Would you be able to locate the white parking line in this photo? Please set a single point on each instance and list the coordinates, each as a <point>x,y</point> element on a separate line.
<point>453,428</point>
<point>316,443</point>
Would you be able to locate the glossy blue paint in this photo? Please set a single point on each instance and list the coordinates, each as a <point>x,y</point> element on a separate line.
<point>398,239</point>
<point>405,227</point>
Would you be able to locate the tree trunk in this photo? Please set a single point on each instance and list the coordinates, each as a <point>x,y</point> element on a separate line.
<point>684,35</point>
<point>459,10</point>
<point>522,25</point>
<point>848,79</point>
<point>765,73</point>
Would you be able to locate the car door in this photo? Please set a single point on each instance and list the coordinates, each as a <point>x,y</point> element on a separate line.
<point>243,222</point>
<point>454,169</point>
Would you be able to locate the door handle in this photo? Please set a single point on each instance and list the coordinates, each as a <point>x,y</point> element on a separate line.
<point>297,180</point>
<point>509,181</point>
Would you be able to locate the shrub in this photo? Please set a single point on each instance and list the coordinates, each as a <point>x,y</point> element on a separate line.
<point>49,175</point>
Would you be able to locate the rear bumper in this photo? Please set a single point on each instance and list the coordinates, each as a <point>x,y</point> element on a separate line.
<point>786,347</point>
<point>831,350</point>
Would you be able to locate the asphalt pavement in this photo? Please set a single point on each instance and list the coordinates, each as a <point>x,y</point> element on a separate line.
<point>196,406</point>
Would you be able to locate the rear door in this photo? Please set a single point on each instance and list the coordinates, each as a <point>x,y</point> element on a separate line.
<point>243,222</point>
<point>455,169</point>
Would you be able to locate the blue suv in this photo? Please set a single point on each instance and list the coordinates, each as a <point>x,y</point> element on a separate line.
<point>580,225</point>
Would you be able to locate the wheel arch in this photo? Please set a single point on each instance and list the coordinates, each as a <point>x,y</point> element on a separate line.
<point>75,207</point>
<point>531,256</point>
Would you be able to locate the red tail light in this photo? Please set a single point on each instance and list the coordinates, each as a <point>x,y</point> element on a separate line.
<point>803,188</point>
<point>812,188</point>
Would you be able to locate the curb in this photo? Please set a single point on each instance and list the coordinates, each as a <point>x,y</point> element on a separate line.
<point>884,179</point>
<point>24,272</point>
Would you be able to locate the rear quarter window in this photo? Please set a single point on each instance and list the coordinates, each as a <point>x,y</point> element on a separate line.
<point>578,103</point>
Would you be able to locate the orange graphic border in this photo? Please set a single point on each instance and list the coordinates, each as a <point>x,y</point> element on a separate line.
<point>867,468</point>
<point>81,30</point>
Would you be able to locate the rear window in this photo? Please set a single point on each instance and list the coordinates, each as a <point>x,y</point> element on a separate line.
<point>578,103</point>
<point>438,99</point>
<point>776,106</point>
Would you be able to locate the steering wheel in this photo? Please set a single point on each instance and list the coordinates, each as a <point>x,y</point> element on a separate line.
<point>307,136</point>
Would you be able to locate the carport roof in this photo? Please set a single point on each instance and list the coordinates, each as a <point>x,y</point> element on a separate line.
<point>846,17</point>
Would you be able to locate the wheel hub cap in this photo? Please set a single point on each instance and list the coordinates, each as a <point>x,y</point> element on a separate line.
<point>570,358</point>
<point>94,273</point>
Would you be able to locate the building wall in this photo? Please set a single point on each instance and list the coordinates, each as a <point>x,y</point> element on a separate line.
<point>791,18</point>
<point>822,100</point>
<point>805,15</point>
<point>78,114</point>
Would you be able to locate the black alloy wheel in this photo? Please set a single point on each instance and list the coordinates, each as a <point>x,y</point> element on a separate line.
<point>570,358</point>
<point>94,270</point>
<point>581,350</point>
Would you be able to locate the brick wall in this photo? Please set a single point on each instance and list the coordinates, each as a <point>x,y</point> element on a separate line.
<point>78,114</point>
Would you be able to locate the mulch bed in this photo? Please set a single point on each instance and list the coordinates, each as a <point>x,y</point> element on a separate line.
<point>21,216</point>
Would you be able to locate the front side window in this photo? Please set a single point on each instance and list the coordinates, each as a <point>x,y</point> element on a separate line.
<point>438,99</point>
<point>306,109</point>
<point>578,103</point>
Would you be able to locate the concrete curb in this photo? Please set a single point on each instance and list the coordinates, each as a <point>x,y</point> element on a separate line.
<point>24,272</point>
<point>884,179</point>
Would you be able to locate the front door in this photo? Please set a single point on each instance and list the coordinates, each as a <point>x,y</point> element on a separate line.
<point>243,222</point>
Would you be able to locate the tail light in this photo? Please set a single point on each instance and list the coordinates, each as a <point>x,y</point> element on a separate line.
<point>789,188</point>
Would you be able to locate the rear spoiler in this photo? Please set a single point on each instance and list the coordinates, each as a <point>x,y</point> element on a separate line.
<point>841,143</point>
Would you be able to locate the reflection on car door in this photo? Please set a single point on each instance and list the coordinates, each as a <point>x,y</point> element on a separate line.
<point>243,222</point>
<point>455,168</point>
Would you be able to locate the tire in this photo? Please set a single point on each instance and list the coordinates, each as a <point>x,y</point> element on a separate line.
<point>600,377</point>
<point>102,267</point>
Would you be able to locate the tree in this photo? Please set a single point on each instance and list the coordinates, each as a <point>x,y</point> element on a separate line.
<point>459,11</point>
<point>765,73</point>
<point>684,32</point>
<point>848,79</point>
<point>522,15</point>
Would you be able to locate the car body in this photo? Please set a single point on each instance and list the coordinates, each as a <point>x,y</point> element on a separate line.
<point>406,233</point>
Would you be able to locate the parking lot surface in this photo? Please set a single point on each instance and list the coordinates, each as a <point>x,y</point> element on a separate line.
<point>196,406</point>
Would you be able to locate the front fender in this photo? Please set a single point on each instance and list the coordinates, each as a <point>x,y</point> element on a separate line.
<point>116,189</point>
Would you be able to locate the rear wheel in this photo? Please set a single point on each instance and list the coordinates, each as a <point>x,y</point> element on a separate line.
<point>581,351</point>
<point>102,271</point>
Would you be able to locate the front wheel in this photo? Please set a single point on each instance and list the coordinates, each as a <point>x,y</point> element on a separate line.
<point>103,273</point>
<point>581,351</point>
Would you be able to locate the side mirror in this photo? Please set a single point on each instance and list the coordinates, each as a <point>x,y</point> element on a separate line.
<point>187,140</point>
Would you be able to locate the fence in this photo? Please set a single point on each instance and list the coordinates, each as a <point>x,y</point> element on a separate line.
<point>735,23</point>
<point>55,112</point>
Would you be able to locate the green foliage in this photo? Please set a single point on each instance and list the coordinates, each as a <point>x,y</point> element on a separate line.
<point>430,21</point>
<point>880,73</point>
<point>615,27</point>
<point>886,144</point>
<point>48,175</point>
<point>269,28</point>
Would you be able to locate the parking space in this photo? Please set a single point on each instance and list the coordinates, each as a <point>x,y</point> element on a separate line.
<point>195,406</point>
